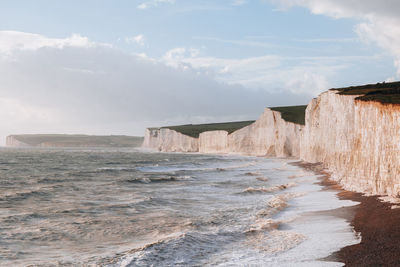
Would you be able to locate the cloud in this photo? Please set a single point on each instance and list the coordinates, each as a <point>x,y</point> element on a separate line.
<point>328,40</point>
<point>154,3</point>
<point>239,2</point>
<point>379,22</point>
<point>346,8</point>
<point>12,40</point>
<point>69,88</point>
<point>239,42</point>
<point>272,73</point>
<point>138,39</point>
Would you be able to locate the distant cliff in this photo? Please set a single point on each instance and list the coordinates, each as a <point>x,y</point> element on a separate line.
<point>269,135</point>
<point>66,140</point>
<point>354,132</point>
<point>168,140</point>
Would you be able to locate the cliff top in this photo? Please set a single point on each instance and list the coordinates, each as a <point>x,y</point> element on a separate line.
<point>295,114</point>
<point>194,130</point>
<point>76,140</point>
<point>385,93</point>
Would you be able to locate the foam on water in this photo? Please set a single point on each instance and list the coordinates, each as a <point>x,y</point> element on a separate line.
<point>268,189</point>
<point>133,208</point>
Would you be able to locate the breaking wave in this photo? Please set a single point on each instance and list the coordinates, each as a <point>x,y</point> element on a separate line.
<point>184,249</point>
<point>268,189</point>
<point>158,179</point>
<point>277,204</point>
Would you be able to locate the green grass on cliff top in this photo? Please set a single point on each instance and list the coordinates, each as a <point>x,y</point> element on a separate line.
<point>295,114</point>
<point>385,93</point>
<point>194,130</point>
<point>74,140</point>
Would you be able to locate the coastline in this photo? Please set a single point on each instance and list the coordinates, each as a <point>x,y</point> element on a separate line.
<point>375,221</point>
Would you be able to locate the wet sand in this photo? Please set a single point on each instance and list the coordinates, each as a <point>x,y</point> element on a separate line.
<point>376,221</point>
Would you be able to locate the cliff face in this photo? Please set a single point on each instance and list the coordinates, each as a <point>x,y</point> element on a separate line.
<point>213,142</point>
<point>167,140</point>
<point>358,141</point>
<point>151,138</point>
<point>270,135</point>
<point>12,141</point>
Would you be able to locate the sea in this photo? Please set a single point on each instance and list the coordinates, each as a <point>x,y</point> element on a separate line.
<point>131,207</point>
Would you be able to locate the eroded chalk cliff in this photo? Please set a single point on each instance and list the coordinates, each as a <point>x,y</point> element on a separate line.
<point>166,140</point>
<point>12,141</point>
<point>358,141</point>
<point>270,135</point>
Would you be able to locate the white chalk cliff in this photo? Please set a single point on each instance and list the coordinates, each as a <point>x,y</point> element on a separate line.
<point>12,141</point>
<point>270,135</point>
<point>167,140</point>
<point>358,141</point>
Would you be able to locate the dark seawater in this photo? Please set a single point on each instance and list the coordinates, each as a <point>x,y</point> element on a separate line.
<point>125,207</point>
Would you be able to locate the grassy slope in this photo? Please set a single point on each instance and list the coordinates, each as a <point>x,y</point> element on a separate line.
<point>194,130</point>
<point>295,114</point>
<point>385,93</point>
<point>80,140</point>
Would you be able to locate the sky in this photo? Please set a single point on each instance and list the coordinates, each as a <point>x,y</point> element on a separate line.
<point>119,66</point>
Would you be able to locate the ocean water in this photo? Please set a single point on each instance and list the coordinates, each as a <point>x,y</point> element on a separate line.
<point>126,207</point>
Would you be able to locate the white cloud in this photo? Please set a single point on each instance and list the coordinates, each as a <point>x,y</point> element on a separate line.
<point>12,40</point>
<point>380,22</point>
<point>297,75</point>
<point>138,39</point>
<point>101,90</point>
<point>328,40</point>
<point>154,3</point>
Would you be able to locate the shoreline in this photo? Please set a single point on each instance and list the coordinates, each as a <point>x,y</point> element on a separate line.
<point>374,220</point>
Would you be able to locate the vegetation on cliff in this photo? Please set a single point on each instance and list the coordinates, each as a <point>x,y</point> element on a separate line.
<point>69,140</point>
<point>194,130</point>
<point>385,93</point>
<point>295,114</point>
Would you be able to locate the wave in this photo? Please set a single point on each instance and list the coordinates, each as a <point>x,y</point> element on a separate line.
<point>138,180</point>
<point>116,169</point>
<point>262,225</point>
<point>277,241</point>
<point>16,219</point>
<point>277,204</point>
<point>182,249</point>
<point>268,189</point>
<point>194,168</point>
<point>26,193</point>
<point>263,179</point>
<point>252,174</point>
<point>158,179</point>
